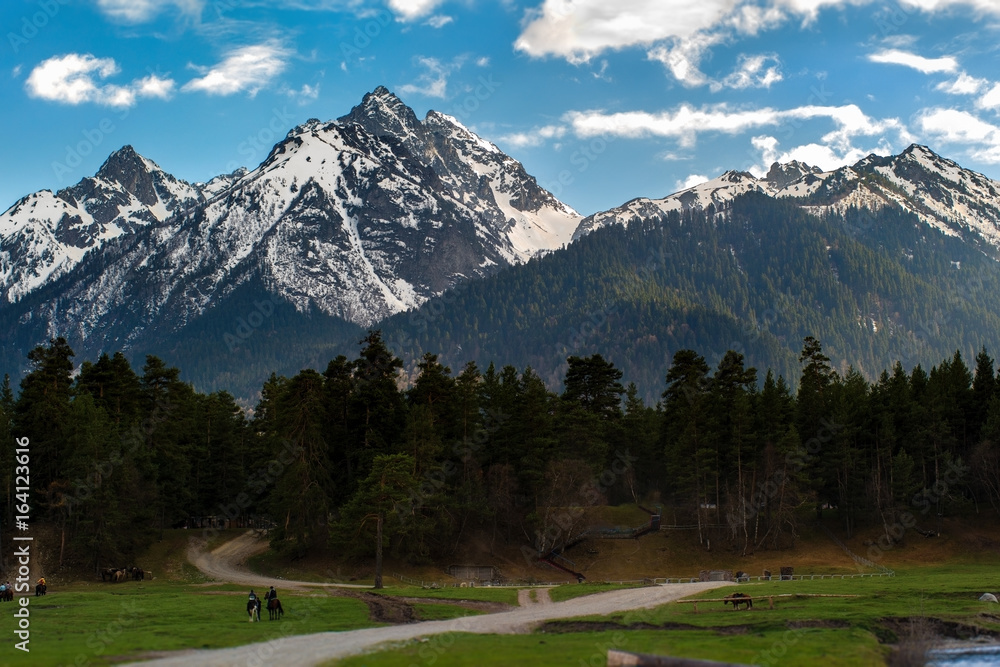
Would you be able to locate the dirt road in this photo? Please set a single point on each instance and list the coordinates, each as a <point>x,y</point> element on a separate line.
<point>227,563</point>
<point>316,648</point>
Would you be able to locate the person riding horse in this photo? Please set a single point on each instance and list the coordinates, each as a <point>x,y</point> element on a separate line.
<point>40,587</point>
<point>253,606</point>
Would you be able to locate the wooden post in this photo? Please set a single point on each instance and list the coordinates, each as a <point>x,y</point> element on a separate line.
<point>378,552</point>
<point>770,602</point>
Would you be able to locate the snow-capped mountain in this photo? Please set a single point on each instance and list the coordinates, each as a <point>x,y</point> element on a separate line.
<point>357,218</point>
<point>942,194</point>
<point>46,234</point>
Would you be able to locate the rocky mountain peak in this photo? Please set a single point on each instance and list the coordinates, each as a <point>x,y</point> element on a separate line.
<point>131,171</point>
<point>781,175</point>
<point>383,114</point>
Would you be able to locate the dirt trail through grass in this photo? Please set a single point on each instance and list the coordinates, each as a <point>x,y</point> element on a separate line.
<point>227,563</point>
<point>317,648</point>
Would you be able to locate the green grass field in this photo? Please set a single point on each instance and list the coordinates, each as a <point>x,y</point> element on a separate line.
<point>97,624</point>
<point>101,624</point>
<point>845,631</point>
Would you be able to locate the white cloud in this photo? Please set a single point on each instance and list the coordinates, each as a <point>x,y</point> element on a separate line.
<point>686,122</point>
<point>683,58</point>
<point>760,71</point>
<point>141,11</point>
<point>434,81</point>
<point>76,78</point>
<point>534,137</point>
<point>483,61</point>
<point>438,21</point>
<point>409,10</point>
<point>954,126</point>
<point>963,85</point>
<point>580,29</point>
<point>912,60</point>
<point>689,182</point>
<point>991,100</point>
<point>305,94</point>
<point>824,156</point>
<point>248,68</point>
<point>16,71</point>
<point>154,86</point>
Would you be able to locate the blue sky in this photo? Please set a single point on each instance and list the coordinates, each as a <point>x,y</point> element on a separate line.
<point>602,101</point>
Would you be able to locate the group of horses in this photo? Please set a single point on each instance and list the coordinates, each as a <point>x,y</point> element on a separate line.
<point>118,574</point>
<point>274,609</point>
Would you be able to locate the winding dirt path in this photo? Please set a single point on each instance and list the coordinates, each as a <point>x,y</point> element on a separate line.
<point>227,563</point>
<point>290,649</point>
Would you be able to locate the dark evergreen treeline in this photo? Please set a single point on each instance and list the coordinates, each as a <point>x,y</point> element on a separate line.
<point>335,458</point>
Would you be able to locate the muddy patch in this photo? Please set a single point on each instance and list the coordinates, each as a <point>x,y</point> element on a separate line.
<point>381,608</point>
<point>477,605</point>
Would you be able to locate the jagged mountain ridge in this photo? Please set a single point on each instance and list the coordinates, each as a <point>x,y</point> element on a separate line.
<point>941,193</point>
<point>45,235</point>
<point>357,218</point>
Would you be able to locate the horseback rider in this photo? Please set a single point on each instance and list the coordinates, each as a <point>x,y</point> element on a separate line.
<point>253,596</point>
<point>271,595</point>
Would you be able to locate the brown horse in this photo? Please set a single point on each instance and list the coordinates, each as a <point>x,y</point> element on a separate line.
<point>737,599</point>
<point>7,595</point>
<point>274,610</point>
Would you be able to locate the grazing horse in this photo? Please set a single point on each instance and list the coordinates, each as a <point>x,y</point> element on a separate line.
<point>119,576</point>
<point>274,610</point>
<point>253,609</point>
<point>737,599</point>
<point>108,574</point>
<point>137,574</point>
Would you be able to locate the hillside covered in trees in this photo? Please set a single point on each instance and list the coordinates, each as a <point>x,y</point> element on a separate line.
<point>756,277</point>
<point>332,456</point>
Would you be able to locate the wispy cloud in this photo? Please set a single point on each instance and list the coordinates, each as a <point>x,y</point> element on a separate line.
<point>78,78</point>
<point>914,61</point>
<point>963,85</point>
<point>980,139</point>
<point>686,122</point>
<point>141,11</point>
<point>433,82</point>
<point>438,21</point>
<point>533,137</point>
<point>248,68</point>
<point>409,10</point>
<point>759,71</point>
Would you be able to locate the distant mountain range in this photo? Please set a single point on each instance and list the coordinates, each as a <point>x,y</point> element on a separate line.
<point>433,233</point>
